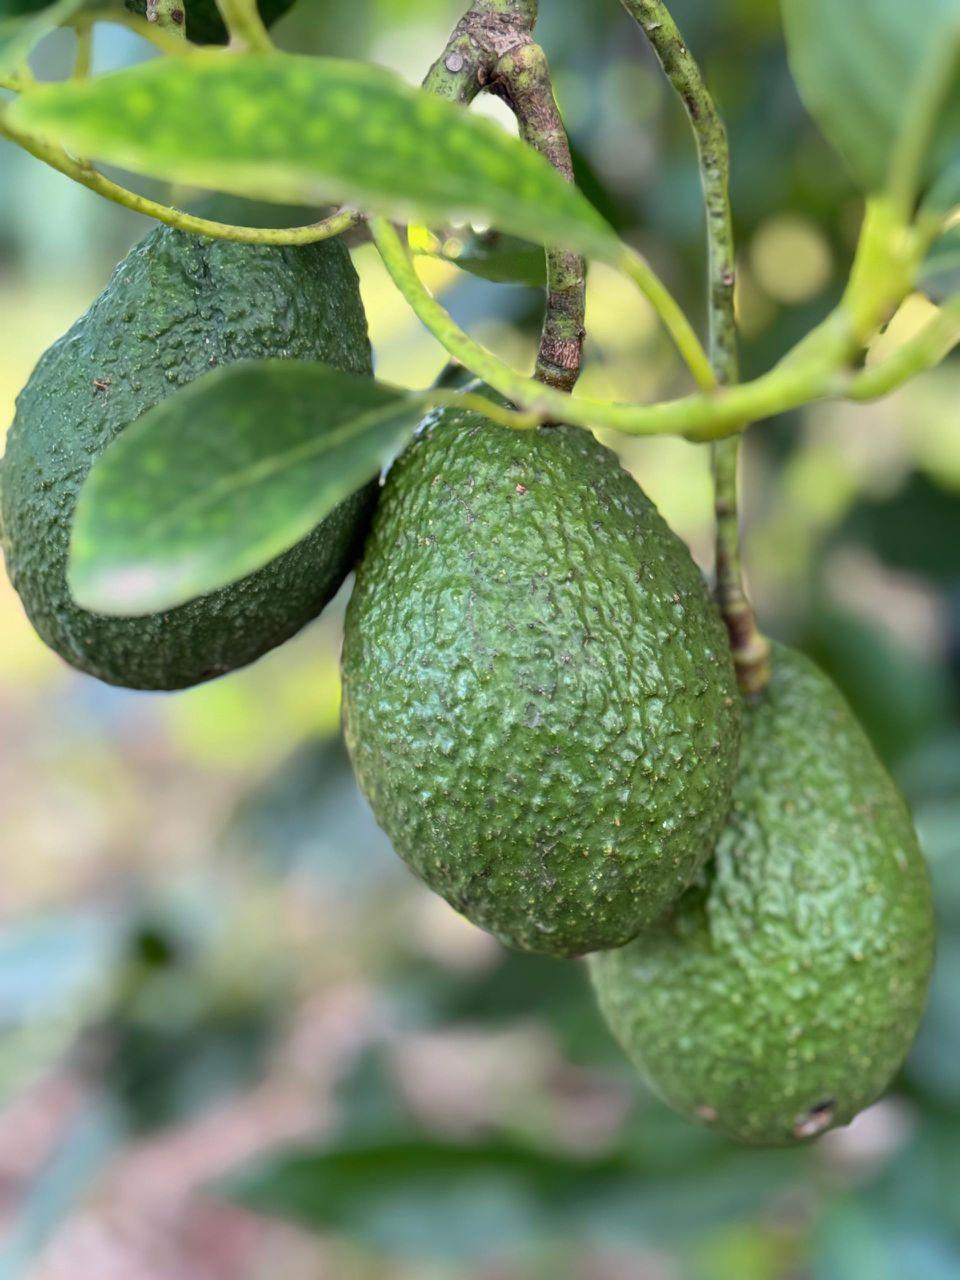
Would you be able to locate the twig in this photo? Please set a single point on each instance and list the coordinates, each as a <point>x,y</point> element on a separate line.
<point>522,78</point>
<point>700,417</point>
<point>923,351</point>
<point>95,181</point>
<point>168,16</point>
<point>751,652</point>
<point>243,22</point>
<point>84,59</point>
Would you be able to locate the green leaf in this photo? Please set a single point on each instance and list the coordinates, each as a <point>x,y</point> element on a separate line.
<point>24,22</point>
<point>422,1198</point>
<point>286,128</point>
<point>225,475</point>
<point>503,259</point>
<point>416,1196</point>
<point>861,67</point>
<point>940,273</point>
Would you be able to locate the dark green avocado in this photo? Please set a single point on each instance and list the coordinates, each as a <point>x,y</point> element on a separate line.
<point>783,992</point>
<point>539,699</point>
<point>204,24</point>
<point>177,306</point>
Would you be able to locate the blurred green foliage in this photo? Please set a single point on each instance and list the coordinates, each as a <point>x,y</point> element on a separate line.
<point>203,929</point>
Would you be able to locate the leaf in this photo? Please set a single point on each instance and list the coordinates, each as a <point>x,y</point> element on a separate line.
<point>859,67</point>
<point>943,195</point>
<point>288,128</point>
<point>940,273</point>
<point>418,1196</point>
<point>24,22</point>
<point>225,475</point>
<point>501,258</point>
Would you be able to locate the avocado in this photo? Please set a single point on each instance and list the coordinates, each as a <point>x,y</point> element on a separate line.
<point>176,306</point>
<point>204,23</point>
<point>782,993</point>
<point>539,699</point>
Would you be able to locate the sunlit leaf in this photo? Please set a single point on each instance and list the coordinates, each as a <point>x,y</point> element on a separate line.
<point>859,67</point>
<point>288,128</point>
<point>225,475</point>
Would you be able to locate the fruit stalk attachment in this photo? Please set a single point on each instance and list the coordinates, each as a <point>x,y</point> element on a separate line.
<point>751,651</point>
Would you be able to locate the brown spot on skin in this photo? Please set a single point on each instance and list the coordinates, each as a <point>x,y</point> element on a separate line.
<point>100,385</point>
<point>521,489</point>
<point>815,1120</point>
<point>177,17</point>
<point>706,1114</point>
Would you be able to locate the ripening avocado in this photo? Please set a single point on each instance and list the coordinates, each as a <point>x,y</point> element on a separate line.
<point>177,306</point>
<point>783,992</point>
<point>539,699</point>
<point>204,23</point>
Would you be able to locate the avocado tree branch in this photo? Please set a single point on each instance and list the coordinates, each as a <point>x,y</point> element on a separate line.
<point>751,651</point>
<point>168,16</point>
<point>522,78</point>
<point>492,48</point>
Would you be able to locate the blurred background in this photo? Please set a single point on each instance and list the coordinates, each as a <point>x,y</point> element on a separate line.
<point>238,1039</point>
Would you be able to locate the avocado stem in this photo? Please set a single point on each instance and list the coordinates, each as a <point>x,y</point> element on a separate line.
<point>492,48</point>
<point>522,79</point>
<point>168,16</point>
<point>751,651</point>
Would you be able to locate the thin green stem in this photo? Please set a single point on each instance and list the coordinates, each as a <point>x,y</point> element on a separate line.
<point>11,83</point>
<point>90,178</point>
<point>699,417</point>
<point>672,316</point>
<point>243,22</point>
<point>504,417</point>
<point>923,351</point>
<point>83,61</point>
<point>750,650</point>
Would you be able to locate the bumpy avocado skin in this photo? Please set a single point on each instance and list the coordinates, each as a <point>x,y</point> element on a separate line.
<point>204,24</point>
<point>539,699</point>
<point>783,992</point>
<point>176,306</point>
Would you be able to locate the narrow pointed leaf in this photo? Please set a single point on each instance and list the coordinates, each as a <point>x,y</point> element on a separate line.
<point>225,475</point>
<point>286,128</point>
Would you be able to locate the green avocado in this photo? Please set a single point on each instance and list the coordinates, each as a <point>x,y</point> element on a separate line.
<point>780,996</point>
<point>204,23</point>
<point>539,699</point>
<point>176,306</point>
